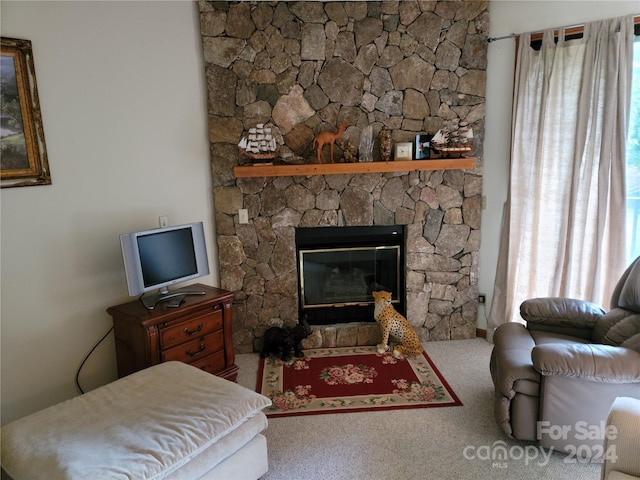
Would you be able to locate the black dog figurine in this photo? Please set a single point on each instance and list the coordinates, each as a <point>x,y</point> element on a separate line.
<point>282,340</point>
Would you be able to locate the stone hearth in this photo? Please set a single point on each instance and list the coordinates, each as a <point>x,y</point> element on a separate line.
<point>307,66</point>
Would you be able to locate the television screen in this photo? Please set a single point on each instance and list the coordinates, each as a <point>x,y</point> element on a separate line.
<point>167,256</point>
<point>155,259</point>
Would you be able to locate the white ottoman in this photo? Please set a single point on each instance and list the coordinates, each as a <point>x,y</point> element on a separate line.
<point>170,421</point>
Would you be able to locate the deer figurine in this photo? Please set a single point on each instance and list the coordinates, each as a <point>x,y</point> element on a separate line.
<point>327,138</point>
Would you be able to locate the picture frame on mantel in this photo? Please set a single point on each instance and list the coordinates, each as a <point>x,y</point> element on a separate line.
<point>403,151</point>
<point>23,160</point>
<point>423,146</point>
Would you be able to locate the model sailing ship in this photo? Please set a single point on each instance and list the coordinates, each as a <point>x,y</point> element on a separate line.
<point>455,138</point>
<point>261,144</point>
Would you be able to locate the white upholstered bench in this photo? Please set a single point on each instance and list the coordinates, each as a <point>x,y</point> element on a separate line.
<point>170,421</point>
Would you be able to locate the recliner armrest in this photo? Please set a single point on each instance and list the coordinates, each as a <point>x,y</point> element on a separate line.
<point>561,315</point>
<point>594,362</point>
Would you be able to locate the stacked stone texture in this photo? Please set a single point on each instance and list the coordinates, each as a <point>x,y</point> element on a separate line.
<point>306,67</point>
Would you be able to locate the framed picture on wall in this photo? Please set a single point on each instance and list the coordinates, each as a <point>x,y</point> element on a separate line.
<point>23,159</point>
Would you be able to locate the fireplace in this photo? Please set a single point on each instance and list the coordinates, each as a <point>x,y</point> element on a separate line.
<point>339,267</point>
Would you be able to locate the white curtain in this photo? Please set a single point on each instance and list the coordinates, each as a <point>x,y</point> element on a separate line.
<point>563,224</point>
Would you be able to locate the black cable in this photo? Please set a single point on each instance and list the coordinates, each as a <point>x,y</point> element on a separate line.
<point>87,357</point>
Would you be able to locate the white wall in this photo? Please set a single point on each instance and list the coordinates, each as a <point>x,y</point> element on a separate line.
<point>506,17</point>
<point>123,102</point>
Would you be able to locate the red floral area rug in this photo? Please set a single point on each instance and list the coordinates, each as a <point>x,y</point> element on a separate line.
<point>351,379</point>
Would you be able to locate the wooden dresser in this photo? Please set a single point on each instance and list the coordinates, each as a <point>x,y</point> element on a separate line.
<point>198,332</point>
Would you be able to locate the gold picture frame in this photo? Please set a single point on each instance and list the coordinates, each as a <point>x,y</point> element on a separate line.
<point>23,159</point>
<point>403,151</point>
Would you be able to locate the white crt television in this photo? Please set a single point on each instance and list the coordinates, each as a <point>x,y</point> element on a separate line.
<point>156,259</point>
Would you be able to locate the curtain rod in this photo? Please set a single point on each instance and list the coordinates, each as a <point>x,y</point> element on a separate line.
<point>495,39</point>
<point>537,32</point>
<point>636,21</point>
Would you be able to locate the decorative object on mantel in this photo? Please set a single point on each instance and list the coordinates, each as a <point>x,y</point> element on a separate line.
<point>327,138</point>
<point>385,143</point>
<point>289,158</point>
<point>351,379</point>
<point>348,150</point>
<point>261,144</point>
<point>24,155</point>
<point>423,146</point>
<point>455,139</point>
<point>365,152</point>
<point>403,151</point>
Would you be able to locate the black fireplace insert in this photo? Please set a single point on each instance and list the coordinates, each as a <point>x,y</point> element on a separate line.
<point>339,267</point>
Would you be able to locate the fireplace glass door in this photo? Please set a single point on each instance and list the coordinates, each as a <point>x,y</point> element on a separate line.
<point>347,276</point>
<point>339,267</point>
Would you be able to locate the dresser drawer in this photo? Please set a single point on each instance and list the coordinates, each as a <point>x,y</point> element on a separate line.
<point>187,330</point>
<point>198,347</point>
<point>211,363</point>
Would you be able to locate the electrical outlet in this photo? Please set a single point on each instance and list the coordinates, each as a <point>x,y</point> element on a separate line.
<point>243,216</point>
<point>163,221</point>
<point>482,298</point>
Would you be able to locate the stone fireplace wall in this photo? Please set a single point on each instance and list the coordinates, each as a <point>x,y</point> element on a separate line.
<point>307,66</point>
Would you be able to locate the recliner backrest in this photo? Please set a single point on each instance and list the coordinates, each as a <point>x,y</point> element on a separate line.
<point>621,325</point>
<point>627,292</point>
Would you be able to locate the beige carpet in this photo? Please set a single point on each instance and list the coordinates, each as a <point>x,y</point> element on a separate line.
<point>422,444</point>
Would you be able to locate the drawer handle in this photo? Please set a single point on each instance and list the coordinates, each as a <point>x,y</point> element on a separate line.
<point>193,354</point>
<point>193,332</point>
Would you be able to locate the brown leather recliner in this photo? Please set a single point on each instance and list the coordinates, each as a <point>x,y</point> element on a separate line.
<point>556,378</point>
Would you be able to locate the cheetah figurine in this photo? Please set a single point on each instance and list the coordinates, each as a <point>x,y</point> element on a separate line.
<point>394,324</point>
